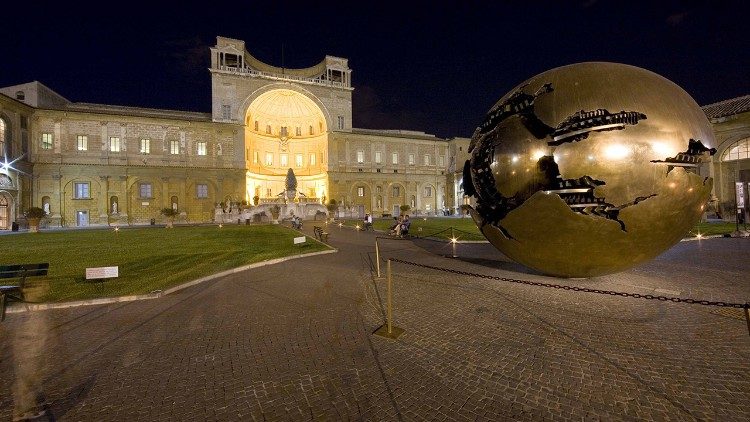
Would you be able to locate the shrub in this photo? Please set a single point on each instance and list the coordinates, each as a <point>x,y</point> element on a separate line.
<point>34,212</point>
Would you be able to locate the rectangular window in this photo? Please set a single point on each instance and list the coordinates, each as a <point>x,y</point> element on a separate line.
<point>82,142</point>
<point>46,141</point>
<point>201,148</point>
<point>441,161</point>
<point>145,146</point>
<point>360,191</point>
<point>394,158</point>
<point>427,191</point>
<point>256,125</point>
<point>268,192</point>
<point>360,157</point>
<point>145,190</point>
<point>341,122</point>
<point>114,143</point>
<point>298,131</point>
<point>226,112</point>
<point>312,132</point>
<point>378,157</point>
<point>174,147</point>
<point>396,191</point>
<point>411,159</point>
<point>268,129</point>
<point>298,160</point>
<point>201,191</point>
<point>256,157</point>
<point>284,160</point>
<point>426,160</point>
<point>81,191</point>
<point>269,158</point>
<point>312,159</point>
<point>284,132</point>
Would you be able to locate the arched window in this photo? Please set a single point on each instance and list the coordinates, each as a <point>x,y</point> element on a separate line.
<point>3,135</point>
<point>739,150</point>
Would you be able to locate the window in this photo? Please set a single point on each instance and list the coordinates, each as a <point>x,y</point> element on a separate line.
<point>312,159</point>
<point>145,146</point>
<point>298,160</point>
<point>81,190</point>
<point>257,125</point>
<point>20,95</point>
<point>426,160</point>
<point>341,122</point>
<point>201,190</point>
<point>394,158</point>
<point>284,132</point>
<point>114,144</point>
<point>174,147</point>
<point>284,160</point>
<point>360,191</point>
<point>427,191</point>
<point>256,157</point>
<point>2,137</point>
<point>378,157</point>
<point>268,192</point>
<point>201,148</point>
<point>298,131</point>
<point>360,157</point>
<point>226,112</point>
<point>269,158</point>
<point>312,132</point>
<point>145,190</point>
<point>268,129</point>
<point>82,142</point>
<point>219,151</point>
<point>46,141</point>
<point>411,159</point>
<point>396,191</point>
<point>441,161</point>
<point>739,150</point>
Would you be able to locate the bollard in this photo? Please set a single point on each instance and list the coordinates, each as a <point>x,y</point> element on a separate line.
<point>388,330</point>
<point>747,315</point>
<point>377,256</point>
<point>453,242</point>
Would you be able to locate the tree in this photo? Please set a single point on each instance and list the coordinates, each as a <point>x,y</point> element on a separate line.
<point>405,208</point>
<point>291,180</point>
<point>170,213</point>
<point>332,205</point>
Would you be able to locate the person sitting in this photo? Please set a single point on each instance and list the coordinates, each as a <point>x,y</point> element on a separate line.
<point>368,222</point>
<point>403,228</point>
<point>395,227</point>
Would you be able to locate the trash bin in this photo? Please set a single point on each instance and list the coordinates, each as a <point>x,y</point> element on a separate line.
<point>247,221</point>
<point>14,226</point>
<point>153,221</point>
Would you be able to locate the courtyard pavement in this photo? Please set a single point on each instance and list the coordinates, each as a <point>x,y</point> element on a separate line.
<point>294,342</point>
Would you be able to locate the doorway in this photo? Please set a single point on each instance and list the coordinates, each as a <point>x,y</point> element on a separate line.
<point>4,212</point>
<point>82,218</point>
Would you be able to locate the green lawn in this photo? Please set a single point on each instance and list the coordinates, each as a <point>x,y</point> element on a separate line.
<point>465,229</point>
<point>148,258</point>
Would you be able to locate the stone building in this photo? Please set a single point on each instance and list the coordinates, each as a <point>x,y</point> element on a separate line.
<point>95,164</point>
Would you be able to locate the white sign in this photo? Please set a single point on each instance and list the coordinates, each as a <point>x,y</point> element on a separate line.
<point>145,204</point>
<point>298,240</point>
<point>740,195</point>
<point>102,272</point>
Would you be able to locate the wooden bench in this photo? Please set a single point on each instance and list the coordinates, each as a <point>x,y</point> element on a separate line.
<point>320,234</point>
<point>13,292</point>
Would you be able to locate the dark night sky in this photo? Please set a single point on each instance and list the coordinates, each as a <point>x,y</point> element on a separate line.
<point>419,66</point>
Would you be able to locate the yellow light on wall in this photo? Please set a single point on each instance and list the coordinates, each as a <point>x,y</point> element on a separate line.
<point>617,152</point>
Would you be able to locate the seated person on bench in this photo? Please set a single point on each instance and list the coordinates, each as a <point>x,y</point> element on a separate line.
<point>403,228</point>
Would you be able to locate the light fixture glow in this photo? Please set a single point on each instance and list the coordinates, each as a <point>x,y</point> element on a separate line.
<point>617,152</point>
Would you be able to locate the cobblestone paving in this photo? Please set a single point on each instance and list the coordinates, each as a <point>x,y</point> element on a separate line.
<point>293,342</point>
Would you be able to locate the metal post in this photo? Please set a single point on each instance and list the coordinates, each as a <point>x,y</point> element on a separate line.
<point>390,301</point>
<point>377,256</point>
<point>747,315</point>
<point>453,242</point>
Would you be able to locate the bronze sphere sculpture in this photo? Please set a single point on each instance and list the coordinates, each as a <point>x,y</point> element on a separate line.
<point>589,169</point>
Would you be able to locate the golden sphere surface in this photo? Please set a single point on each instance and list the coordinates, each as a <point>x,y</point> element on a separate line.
<point>589,169</point>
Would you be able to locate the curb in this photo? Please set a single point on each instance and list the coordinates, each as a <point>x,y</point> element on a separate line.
<point>19,308</point>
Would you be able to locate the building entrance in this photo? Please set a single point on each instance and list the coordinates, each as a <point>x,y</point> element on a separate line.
<point>4,213</point>
<point>82,218</point>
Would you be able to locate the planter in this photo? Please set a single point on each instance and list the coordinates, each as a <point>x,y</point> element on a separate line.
<point>33,224</point>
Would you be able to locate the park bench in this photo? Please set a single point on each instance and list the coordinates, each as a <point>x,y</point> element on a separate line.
<point>15,292</point>
<point>320,234</point>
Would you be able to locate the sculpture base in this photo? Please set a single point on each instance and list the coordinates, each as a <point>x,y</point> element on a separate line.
<point>383,331</point>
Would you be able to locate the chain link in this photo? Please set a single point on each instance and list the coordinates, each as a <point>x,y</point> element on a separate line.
<point>580,289</point>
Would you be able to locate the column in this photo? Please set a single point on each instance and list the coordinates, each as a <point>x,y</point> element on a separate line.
<point>104,200</point>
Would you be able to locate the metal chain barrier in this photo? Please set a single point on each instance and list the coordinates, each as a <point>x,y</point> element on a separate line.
<point>581,289</point>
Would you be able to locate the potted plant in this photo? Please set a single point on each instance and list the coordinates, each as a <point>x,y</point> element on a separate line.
<point>170,213</point>
<point>256,199</point>
<point>33,216</point>
<point>275,211</point>
<point>332,206</point>
<point>291,184</point>
<point>404,208</point>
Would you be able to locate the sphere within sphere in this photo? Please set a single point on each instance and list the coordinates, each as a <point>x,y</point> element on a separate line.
<point>589,169</point>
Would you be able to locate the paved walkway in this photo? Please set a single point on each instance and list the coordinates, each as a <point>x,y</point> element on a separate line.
<point>294,342</point>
